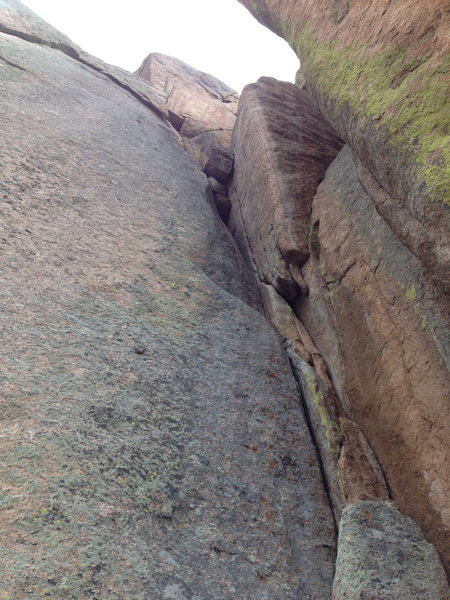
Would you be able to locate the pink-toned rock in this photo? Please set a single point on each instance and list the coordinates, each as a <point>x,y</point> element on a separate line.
<point>379,70</point>
<point>383,332</point>
<point>198,101</point>
<point>367,303</point>
<point>360,474</point>
<point>200,107</point>
<point>283,146</point>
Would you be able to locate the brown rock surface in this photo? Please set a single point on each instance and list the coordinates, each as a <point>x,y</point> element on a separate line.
<point>372,312</point>
<point>200,107</point>
<point>379,70</point>
<point>198,101</point>
<point>384,335</point>
<point>276,183</point>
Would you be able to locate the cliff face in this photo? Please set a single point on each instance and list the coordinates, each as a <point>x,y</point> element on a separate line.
<point>219,380</point>
<point>152,440</point>
<point>365,328</point>
<point>373,290</point>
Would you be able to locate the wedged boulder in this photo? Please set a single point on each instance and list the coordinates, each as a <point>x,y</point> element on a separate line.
<point>379,72</point>
<point>221,199</point>
<point>283,147</point>
<point>200,107</point>
<point>199,101</point>
<point>383,556</point>
<point>384,334</point>
<point>151,438</point>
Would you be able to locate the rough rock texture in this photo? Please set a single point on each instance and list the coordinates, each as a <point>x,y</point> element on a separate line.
<point>16,19</point>
<point>379,71</point>
<point>385,337</point>
<point>200,107</point>
<point>151,438</point>
<point>198,101</point>
<point>216,160</point>
<point>368,333</point>
<point>383,556</point>
<point>276,183</point>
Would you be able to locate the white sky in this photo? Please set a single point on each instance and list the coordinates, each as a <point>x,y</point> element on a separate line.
<point>216,36</point>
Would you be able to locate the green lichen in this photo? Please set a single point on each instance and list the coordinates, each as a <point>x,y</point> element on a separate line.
<point>329,426</point>
<point>407,95</point>
<point>411,293</point>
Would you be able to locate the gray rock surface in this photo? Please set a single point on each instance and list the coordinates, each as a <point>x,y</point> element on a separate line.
<point>151,438</point>
<point>18,20</point>
<point>215,159</point>
<point>382,556</point>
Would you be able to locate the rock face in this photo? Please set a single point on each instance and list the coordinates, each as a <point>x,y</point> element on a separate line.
<point>197,101</point>
<point>379,72</point>
<point>366,330</point>
<point>161,437</point>
<point>373,295</point>
<point>278,182</point>
<point>384,335</point>
<point>152,440</point>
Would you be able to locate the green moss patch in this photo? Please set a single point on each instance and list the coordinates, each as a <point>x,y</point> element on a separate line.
<point>408,95</point>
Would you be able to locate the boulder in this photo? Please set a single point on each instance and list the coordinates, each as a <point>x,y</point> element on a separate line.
<point>282,147</point>
<point>383,556</point>
<point>198,101</point>
<point>200,107</point>
<point>216,160</point>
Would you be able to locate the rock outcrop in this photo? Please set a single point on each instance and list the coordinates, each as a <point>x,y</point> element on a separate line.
<point>200,107</point>
<point>152,441</point>
<point>379,72</point>
<point>197,102</point>
<point>365,328</point>
<point>191,410</point>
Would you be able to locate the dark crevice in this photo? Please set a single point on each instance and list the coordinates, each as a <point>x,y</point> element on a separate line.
<point>11,64</point>
<point>28,37</point>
